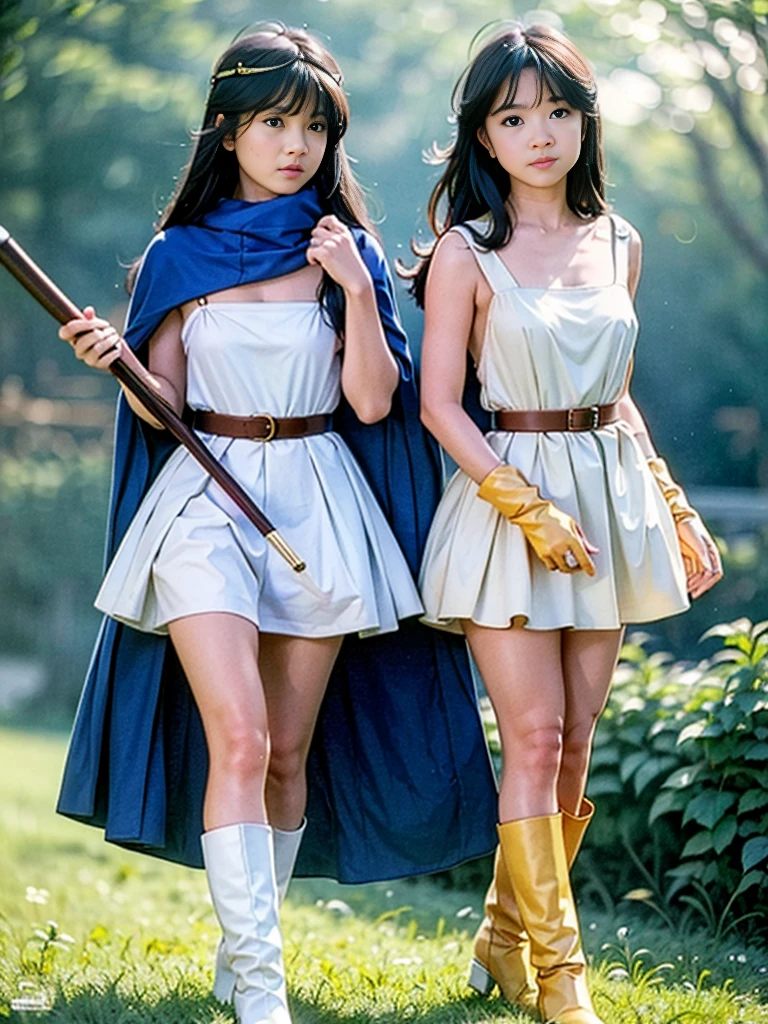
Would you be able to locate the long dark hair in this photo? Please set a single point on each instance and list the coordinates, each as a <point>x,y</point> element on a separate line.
<point>302,74</point>
<point>474,183</point>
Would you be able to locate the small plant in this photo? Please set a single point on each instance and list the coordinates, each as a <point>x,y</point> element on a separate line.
<point>46,942</point>
<point>632,965</point>
<point>638,977</point>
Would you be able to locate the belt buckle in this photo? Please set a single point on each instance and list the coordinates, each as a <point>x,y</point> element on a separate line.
<point>271,426</point>
<point>587,418</point>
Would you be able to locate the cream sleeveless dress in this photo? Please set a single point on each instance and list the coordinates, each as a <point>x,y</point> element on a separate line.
<point>556,348</point>
<point>189,549</point>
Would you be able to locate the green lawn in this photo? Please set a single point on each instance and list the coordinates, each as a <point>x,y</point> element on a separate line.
<point>107,936</point>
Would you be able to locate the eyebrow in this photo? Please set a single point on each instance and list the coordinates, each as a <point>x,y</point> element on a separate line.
<point>524,106</point>
<point>282,111</point>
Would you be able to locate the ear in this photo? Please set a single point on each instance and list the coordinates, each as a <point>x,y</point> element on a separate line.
<point>482,136</point>
<point>227,142</point>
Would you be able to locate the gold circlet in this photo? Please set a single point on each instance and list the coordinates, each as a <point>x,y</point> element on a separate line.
<point>240,69</point>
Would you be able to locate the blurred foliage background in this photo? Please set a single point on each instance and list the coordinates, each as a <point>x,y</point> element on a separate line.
<point>97,100</point>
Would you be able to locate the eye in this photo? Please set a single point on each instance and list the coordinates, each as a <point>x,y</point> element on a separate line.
<point>560,110</point>
<point>318,126</point>
<point>273,122</point>
<point>512,117</point>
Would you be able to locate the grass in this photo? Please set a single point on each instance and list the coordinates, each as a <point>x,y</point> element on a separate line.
<point>100,935</point>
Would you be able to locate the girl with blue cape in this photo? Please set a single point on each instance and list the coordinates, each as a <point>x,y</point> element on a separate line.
<point>264,301</point>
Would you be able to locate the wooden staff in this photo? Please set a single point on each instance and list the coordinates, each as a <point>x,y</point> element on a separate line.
<point>61,308</point>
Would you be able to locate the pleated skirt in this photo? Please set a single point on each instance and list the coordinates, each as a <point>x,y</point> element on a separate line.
<point>479,566</point>
<point>190,550</point>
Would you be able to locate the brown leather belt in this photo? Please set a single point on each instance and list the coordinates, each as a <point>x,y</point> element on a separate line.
<point>261,428</point>
<point>592,417</point>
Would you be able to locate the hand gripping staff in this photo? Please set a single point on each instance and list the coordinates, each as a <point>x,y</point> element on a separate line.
<point>52,299</point>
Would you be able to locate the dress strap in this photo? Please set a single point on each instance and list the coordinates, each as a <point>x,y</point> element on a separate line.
<point>494,270</point>
<point>621,243</point>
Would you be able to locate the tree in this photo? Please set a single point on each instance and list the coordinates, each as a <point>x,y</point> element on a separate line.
<point>699,68</point>
<point>97,99</point>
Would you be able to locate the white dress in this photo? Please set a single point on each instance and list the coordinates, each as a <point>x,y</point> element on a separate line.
<point>557,348</point>
<point>190,550</point>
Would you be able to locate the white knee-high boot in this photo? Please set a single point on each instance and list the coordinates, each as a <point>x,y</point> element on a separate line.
<point>286,845</point>
<point>239,863</point>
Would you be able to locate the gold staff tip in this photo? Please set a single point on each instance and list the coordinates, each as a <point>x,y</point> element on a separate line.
<point>281,546</point>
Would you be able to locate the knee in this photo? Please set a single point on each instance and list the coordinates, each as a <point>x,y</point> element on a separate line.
<point>540,749</point>
<point>287,760</point>
<point>242,751</point>
<point>577,743</point>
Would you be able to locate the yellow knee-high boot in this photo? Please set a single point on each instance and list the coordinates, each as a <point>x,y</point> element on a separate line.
<point>501,953</point>
<point>574,827</point>
<point>535,859</point>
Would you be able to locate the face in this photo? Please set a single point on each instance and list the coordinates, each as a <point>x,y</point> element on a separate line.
<point>537,144</point>
<point>278,153</point>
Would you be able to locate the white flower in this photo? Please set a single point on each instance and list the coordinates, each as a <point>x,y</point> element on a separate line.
<point>37,895</point>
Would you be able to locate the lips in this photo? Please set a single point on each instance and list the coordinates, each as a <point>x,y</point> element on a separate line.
<point>545,162</point>
<point>292,169</point>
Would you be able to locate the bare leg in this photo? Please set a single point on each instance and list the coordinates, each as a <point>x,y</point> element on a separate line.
<point>295,673</point>
<point>548,690</point>
<point>523,675</point>
<point>589,661</point>
<point>219,654</point>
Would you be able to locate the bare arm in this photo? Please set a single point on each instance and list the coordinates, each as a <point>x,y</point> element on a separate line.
<point>629,412</point>
<point>97,344</point>
<point>449,310</point>
<point>369,372</point>
<point>167,367</point>
<point>700,555</point>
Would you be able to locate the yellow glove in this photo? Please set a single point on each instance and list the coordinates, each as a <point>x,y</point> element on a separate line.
<point>701,558</point>
<point>553,535</point>
<point>674,495</point>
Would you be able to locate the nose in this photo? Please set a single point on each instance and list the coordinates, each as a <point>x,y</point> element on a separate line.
<point>295,142</point>
<point>541,135</point>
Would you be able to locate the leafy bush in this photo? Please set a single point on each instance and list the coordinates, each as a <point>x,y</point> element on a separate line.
<point>680,777</point>
<point>723,791</point>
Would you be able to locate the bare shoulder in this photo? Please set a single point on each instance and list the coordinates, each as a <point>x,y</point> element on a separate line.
<point>168,331</point>
<point>453,249</point>
<point>635,239</point>
<point>453,261</point>
<point>626,229</point>
<point>174,319</point>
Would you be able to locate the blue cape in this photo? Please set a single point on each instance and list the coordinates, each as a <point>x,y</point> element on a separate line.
<point>399,777</point>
